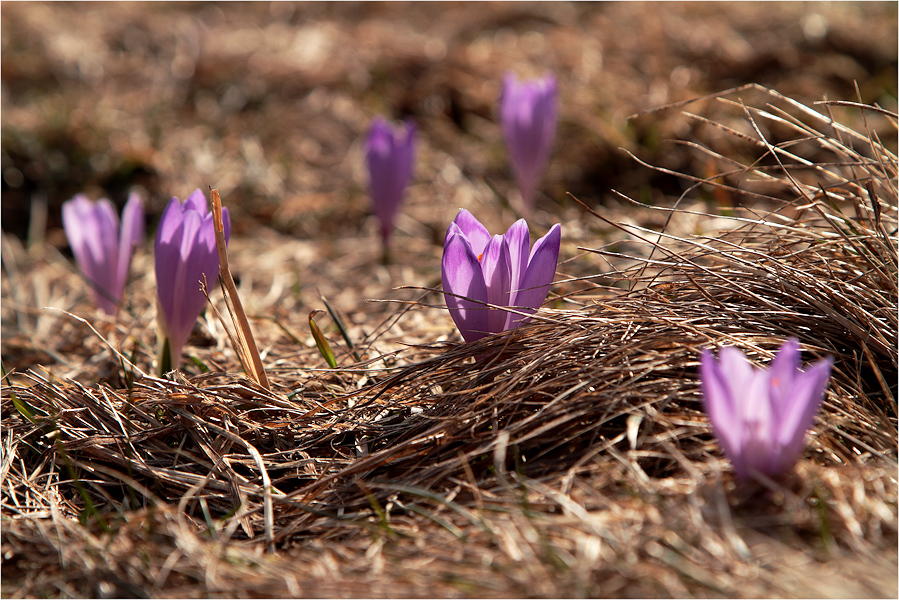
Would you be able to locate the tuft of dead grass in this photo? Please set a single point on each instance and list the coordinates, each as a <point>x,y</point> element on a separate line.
<point>571,458</point>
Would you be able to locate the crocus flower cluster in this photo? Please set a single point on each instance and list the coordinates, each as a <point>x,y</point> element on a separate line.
<point>760,416</point>
<point>528,114</point>
<point>185,252</point>
<point>390,155</point>
<point>479,269</point>
<point>102,249</point>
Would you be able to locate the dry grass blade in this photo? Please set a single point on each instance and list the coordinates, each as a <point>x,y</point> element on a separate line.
<point>248,352</point>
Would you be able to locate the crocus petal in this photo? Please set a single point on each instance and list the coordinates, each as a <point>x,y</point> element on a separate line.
<point>407,149</point>
<point>756,445</point>
<point>74,212</point>
<point>785,367</point>
<point>132,235</point>
<point>518,238</point>
<point>390,157</point>
<point>737,374</point>
<point>760,416</point>
<point>171,265</point>
<point>462,276</point>
<point>739,370</point>
<point>719,404</point>
<point>189,250</point>
<point>756,410</point>
<point>807,393</point>
<point>495,268</point>
<point>105,251</point>
<point>169,222</point>
<point>226,225</point>
<point>383,175</point>
<point>81,228</point>
<point>528,115</point>
<point>196,202</point>
<point>92,230</point>
<point>538,276</point>
<point>185,253</point>
<point>503,265</point>
<point>471,228</point>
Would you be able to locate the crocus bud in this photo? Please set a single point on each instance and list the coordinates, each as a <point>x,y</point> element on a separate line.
<point>102,250</point>
<point>185,252</point>
<point>760,416</point>
<point>390,157</point>
<point>479,269</point>
<point>528,113</point>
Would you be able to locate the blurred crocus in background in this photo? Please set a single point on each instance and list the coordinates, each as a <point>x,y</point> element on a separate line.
<point>102,249</point>
<point>390,155</point>
<point>498,270</point>
<point>528,115</point>
<point>760,416</point>
<point>185,252</point>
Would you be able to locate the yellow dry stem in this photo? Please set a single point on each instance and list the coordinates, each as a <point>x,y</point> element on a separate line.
<point>249,355</point>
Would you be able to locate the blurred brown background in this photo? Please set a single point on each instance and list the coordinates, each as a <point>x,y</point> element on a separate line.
<point>269,102</point>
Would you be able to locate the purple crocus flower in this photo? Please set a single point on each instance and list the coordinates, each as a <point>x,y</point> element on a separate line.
<point>528,113</point>
<point>185,252</point>
<point>103,250</point>
<point>498,270</point>
<point>760,416</point>
<point>390,157</point>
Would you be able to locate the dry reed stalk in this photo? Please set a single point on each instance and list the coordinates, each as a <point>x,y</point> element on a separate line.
<point>246,350</point>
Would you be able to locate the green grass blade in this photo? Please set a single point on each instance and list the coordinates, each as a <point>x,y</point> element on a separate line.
<point>323,346</point>
<point>341,327</point>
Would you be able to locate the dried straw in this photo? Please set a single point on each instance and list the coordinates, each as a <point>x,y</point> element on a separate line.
<point>570,458</point>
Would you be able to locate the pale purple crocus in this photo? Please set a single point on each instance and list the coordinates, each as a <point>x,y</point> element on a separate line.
<point>390,155</point>
<point>479,269</point>
<point>102,249</point>
<point>761,416</point>
<point>528,115</point>
<point>185,253</point>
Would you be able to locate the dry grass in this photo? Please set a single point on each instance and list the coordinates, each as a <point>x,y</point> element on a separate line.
<point>571,459</point>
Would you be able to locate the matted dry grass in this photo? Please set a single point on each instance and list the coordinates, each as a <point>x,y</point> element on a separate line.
<point>571,459</point>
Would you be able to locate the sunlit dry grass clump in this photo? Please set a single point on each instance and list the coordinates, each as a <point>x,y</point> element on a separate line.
<point>567,457</point>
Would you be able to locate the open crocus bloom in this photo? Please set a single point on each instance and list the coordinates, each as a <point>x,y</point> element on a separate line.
<point>103,251</point>
<point>185,252</point>
<point>479,269</point>
<point>760,416</point>
<point>390,156</point>
<point>528,114</point>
